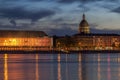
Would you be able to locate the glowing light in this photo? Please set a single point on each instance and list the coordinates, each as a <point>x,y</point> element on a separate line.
<point>10,42</point>
<point>13,42</point>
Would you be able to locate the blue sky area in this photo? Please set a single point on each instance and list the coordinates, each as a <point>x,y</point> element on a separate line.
<point>60,17</point>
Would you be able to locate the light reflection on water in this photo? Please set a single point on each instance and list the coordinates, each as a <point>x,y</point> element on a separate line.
<point>5,67</point>
<point>99,66</point>
<point>37,67</point>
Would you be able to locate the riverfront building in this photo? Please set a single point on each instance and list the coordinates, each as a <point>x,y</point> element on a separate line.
<point>39,40</point>
<point>24,40</point>
<point>85,40</point>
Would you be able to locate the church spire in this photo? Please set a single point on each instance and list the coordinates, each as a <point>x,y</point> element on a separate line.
<point>83,16</point>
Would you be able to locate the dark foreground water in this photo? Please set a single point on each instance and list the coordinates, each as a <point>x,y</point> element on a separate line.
<point>60,66</point>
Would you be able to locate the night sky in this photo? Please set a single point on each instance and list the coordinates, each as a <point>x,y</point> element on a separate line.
<point>60,17</point>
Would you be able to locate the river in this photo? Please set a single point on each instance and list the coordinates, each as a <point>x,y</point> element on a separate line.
<point>81,66</point>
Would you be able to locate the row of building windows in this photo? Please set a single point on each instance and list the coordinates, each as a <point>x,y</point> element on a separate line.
<point>73,43</point>
<point>24,41</point>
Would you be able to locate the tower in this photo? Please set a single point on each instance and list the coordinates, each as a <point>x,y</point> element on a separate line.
<point>84,26</point>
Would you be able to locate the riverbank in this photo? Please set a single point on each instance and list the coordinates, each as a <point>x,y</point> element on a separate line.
<point>59,52</point>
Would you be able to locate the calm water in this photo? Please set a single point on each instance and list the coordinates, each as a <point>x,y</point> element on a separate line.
<point>60,66</point>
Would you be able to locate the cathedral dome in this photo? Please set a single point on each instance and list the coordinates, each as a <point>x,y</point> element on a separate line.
<point>84,26</point>
<point>83,23</point>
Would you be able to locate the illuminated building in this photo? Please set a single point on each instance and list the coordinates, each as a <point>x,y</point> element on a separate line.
<point>85,40</point>
<point>24,40</point>
<point>97,41</point>
<point>38,40</point>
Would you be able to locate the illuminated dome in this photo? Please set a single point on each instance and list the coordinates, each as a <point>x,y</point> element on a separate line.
<point>84,23</point>
<point>84,26</point>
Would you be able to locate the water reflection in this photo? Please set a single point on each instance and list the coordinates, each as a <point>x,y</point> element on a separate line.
<point>109,69</point>
<point>37,66</point>
<point>60,66</point>
<point>66,71</point>
<point>84,66</point>
<point>99,72</point>
<point>79,68</point>
<point>5,67</point>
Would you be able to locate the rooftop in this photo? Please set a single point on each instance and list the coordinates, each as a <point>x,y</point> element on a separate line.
<point>96,34</point>
<point>21,33</point>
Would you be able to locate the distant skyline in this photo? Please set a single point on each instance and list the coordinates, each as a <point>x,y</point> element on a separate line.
<point>60,17</point>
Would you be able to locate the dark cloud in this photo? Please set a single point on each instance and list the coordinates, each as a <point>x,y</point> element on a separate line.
<point>94,30</point>
<point>116,10</point>
<point>59,19</point>
<point>62,31</point>
<point>39,0</point>
<point>23,26</point>
<point>67,1</point>
<point>60,1</point>
<point>21,13</point>
<point>8,27</point>
<point>36,0</point>
<point>71,1</point>
<point>84,1</point>
<point>84,8</point>
<point>20,9</point>
<point>23,0</point>
<point>12,21</point>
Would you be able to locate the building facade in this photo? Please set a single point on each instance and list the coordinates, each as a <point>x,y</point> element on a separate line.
<point>84,40</point>
<point>89,42</point>
<point>39,40</point>
<point>25,40</point>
